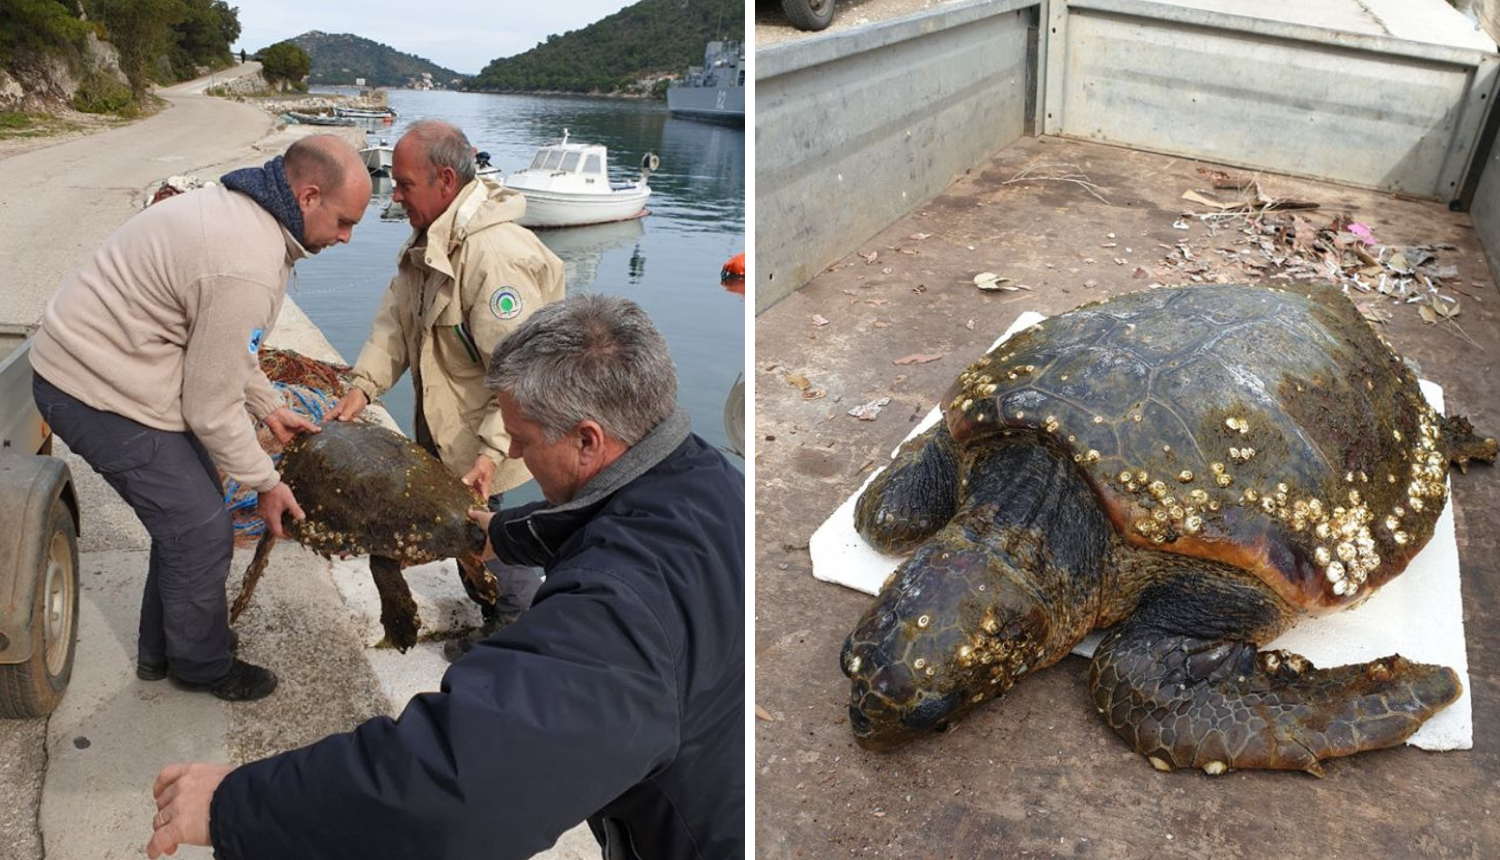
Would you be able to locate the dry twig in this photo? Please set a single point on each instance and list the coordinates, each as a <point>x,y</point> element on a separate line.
<point>1070,173</point>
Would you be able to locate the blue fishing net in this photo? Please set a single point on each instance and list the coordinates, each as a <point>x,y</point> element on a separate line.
<point>311,403</point>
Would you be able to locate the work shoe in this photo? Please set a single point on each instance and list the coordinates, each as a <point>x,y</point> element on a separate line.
<point>149,671</point>
<point>456,648</point>
<point>245,682</point>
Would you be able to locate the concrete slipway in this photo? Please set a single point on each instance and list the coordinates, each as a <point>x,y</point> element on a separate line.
<point>1039,774</point>
<point>77,786</point>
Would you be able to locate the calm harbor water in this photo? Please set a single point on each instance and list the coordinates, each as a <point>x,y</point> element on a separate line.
<point>668,261</point>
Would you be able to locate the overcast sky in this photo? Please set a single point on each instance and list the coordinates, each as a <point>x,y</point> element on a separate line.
<point>462,35</point>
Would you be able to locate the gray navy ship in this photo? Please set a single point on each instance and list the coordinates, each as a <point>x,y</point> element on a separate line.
<point>714,91</point>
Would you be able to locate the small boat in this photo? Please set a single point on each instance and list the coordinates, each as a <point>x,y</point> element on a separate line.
<point>568,185</point>
<point>378,158</point>
<point>483,168</point>
<point>296,118</point>
<point>366,113</point>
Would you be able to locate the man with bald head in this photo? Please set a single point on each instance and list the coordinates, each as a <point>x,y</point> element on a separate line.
<point>467,277</point>
<point>147,367</point>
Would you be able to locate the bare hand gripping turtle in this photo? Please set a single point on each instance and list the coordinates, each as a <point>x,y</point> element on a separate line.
<point>370,491</point>
<point>1196,468</point>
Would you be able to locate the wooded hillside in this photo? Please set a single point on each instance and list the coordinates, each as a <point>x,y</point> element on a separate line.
<point>650,38</point>
<point>339,58</point>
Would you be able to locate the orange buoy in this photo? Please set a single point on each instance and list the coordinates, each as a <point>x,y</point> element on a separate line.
<point>735,268</point>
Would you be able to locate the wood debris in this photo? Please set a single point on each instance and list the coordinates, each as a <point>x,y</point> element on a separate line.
<point>1288,241</point>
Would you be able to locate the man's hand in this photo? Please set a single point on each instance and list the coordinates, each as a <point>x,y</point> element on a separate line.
<point>481,476</point>
<point>286,424</point>
<point>273,503</point>
<point>183,793</point>
<point>483,517</point>
<point>354,402</point>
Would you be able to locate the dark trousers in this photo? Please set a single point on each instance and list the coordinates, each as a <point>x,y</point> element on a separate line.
<point>172,485</point>
<point>516,584</point>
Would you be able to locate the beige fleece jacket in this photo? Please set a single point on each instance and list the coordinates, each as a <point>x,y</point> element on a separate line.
<point>471,278</point>
<point>163,324</point>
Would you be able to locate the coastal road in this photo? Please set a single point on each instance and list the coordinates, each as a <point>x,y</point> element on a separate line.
<point>76,786</point>
<point>58,202</point>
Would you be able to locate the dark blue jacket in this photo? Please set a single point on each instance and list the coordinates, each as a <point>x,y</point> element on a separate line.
<point>619,697</point>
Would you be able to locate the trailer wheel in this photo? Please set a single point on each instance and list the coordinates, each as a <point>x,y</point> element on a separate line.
<point>33,688</point>
<point>808,14</point>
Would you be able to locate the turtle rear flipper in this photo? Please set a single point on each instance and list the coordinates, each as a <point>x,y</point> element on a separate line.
<point>1463,445</point>
<point>1216,703</point>
<point>252,575</point>
<point>916,495</point>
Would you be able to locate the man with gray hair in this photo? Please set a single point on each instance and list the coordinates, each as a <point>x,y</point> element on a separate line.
<point>618,698</point>
<point>467,277</point>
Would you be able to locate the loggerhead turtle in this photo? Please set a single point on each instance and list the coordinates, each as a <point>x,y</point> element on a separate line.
<point>1195,468</point>
<point>367,490</point>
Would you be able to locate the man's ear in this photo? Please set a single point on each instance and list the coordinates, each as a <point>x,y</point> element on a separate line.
<point>308,196</point>
<point>590,439</point>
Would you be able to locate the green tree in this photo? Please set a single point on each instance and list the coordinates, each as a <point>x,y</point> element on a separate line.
<point>199,36</point>
<point>33,26</point>
<point>284,61</point>
<point>141,30</point>
<point>229,22</point>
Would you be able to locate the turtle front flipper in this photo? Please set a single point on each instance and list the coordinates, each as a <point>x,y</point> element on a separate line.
<point>398,611</point>
<point>1214,702</point>
<point>914,497</point>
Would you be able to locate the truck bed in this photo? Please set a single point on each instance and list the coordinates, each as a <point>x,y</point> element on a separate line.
<point>1038,774</point>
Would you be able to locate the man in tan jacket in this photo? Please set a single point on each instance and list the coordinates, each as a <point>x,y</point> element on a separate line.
<point>467,277</point>
<point>147,367</point>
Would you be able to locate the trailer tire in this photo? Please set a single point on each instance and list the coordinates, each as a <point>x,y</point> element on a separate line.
<point>808,14</point>
<point>33,688</point>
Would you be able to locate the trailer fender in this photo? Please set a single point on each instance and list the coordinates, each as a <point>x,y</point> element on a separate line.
<point>29,486</point>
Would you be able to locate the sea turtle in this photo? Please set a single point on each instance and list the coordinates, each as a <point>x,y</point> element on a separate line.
<point>1195,468</point>
<point>367,490</point>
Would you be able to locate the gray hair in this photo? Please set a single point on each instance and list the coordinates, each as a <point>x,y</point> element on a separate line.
<point>588,357</point>
<point>445,146</point>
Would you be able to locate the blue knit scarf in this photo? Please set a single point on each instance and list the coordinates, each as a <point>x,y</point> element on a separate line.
<point>267,186</point>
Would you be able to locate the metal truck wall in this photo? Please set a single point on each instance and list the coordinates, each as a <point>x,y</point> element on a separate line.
<point>1484,207</point>
<point>854,130</point>
<point>1366,111</point>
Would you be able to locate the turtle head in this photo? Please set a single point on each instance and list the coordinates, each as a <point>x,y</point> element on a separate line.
<point>955,626</point>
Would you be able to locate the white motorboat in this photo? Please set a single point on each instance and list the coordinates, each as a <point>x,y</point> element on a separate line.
<point>378,158</point>
<point>568,185</point>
